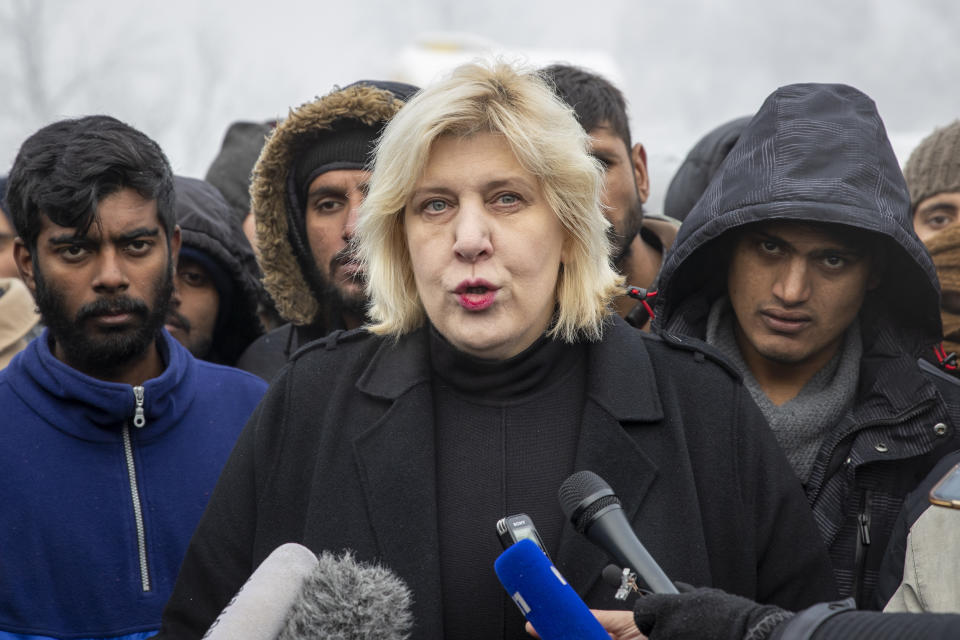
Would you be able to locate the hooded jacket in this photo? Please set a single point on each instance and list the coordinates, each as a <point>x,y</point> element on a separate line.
<point>290,274</point>
<point>98,507</point>
<point>819,153</point>
<point>208,225</point>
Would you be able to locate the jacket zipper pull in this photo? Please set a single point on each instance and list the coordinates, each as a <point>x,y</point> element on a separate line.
<point>139,419</point>
<point>864,519</point>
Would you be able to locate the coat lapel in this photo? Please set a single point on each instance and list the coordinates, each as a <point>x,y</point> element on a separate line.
<point>622,392</point>
<point>396,462</point>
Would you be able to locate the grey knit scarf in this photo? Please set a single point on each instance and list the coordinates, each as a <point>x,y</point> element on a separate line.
<point>799,424</point>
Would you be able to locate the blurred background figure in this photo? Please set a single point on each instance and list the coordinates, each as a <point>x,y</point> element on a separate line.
<point>19,320</point>
<point>231,172</point>
<point>640,239</point>
<point>8,267</point>
<point>694,174</point>
<point>213,310</point>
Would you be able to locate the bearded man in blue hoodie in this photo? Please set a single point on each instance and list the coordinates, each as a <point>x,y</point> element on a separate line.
<point>114,435</point>
<point>800,264</point>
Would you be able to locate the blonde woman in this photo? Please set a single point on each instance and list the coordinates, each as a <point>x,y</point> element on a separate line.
<point>493,368</point>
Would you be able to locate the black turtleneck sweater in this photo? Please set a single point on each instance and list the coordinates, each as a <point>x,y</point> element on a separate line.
<point>506,436</point>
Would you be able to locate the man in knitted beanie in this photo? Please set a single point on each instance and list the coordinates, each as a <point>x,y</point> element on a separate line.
<point>944,248</point>
<point>933,177</point>
<point>307,188</point>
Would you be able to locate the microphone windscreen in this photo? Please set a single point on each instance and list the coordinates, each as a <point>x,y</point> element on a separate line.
<point>343,599</point>
<point>262,605</point>
<point>612,575</point>
<point>544,597</point>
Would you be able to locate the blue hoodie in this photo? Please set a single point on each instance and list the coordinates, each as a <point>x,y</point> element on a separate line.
<point>81,481</point>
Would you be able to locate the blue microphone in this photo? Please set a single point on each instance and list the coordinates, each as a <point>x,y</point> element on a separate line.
<point>543,595</point>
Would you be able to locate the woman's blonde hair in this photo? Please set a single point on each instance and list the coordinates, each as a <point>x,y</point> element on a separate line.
<point>547,140</point>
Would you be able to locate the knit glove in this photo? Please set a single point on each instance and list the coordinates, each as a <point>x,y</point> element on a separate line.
<point>705,614</point>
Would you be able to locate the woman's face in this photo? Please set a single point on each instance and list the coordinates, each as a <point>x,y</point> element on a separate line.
<point>485,246</point>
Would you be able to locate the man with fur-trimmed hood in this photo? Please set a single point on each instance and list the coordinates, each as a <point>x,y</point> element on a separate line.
<point>800,264</point>
<point>307,188</point>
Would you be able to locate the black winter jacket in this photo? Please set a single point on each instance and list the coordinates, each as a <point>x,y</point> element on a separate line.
<point>819,153</point>
<point>340,454</point>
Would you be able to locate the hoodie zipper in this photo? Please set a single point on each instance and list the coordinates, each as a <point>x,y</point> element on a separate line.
<point>139,420</point>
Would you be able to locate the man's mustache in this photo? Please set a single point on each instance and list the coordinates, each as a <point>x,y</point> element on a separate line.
<point>112,306</point>
<point>346,255</point>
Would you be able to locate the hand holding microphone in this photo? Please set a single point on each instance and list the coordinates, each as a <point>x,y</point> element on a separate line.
<point>543,595</point>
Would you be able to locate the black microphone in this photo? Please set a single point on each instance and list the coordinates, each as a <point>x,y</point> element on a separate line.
<point>595,511</point>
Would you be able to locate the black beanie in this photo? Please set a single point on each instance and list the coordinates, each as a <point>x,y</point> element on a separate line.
<point>348,145</point>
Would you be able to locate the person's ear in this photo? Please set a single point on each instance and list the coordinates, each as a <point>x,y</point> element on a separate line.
<point>24,260</point>
<point>638,159</point>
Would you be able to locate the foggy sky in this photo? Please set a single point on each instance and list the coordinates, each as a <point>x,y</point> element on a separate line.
<point>183,73</point>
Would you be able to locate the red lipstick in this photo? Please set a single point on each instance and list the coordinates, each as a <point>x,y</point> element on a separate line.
<point>476,294</point>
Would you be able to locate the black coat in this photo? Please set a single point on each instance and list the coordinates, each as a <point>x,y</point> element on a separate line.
<point>340,454</point>
<point>819,154</point>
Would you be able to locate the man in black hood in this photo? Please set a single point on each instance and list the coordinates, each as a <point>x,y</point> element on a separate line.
<point>213,310</point>
<point>800,264</point>
<point>306,191</point>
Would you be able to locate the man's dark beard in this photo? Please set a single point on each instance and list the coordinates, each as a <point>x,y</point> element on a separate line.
<point>102,356</point>
<point>338,305</point>
<point>621,244</point>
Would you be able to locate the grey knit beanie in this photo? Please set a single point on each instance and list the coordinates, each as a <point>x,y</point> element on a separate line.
<point>934,166</point>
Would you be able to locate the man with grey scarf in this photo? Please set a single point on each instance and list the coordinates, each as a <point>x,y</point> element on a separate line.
<point>800,264</point>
